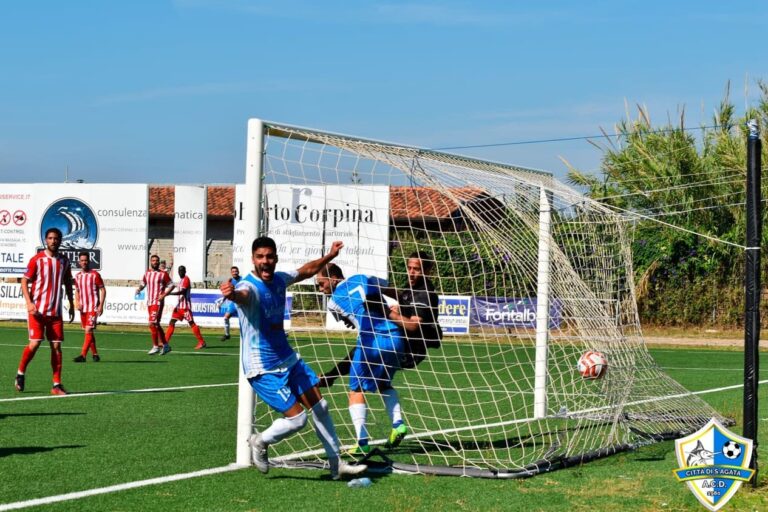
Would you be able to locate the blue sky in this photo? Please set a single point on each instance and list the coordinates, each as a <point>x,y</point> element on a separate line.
<point>160,91</point>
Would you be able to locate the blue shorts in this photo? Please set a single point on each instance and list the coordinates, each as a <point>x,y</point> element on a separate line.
<point>281,390</point>
<point>374,363</point>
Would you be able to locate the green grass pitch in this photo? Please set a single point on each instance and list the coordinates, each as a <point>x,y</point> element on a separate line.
<point>141,417</point>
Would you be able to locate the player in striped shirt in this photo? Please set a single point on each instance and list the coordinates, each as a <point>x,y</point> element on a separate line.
<point>183,309</point>
<point>41,286</point>
<point>90,294</point>
<point>274,370</point>
<point>158,284</point>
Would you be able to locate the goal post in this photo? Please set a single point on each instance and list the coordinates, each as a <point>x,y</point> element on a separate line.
<point>252,209</point>
<point>530,276</point>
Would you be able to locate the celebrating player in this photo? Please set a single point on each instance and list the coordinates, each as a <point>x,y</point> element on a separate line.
<point>228,307</point>
<point>358,301</point>
<point>90,294</point>
<point>183,309</point>
<point>274,370</point>
<point>158,284</point>
<point>46,272</point>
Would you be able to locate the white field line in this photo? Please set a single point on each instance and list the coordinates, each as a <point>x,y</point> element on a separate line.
<point>120,487</point>
<point>124,392</point>
<point>232,467</point>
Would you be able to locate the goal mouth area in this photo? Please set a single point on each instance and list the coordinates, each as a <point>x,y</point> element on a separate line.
<point>530,276</point>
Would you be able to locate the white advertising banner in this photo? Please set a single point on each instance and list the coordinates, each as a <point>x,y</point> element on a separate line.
<point>108,221</point>
<point>240,254</point>
<point>16,228</point>
<point>306,220</point>
<point>295,220</point>
<point>359,217</point>
<point>189,234</point>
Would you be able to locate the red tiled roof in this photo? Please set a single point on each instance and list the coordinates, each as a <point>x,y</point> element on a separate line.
<point>423,203</point>
<point>221,201</point>
<point>418,203</point>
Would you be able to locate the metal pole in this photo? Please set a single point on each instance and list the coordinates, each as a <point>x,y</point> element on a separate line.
<point>542,307</point>
<point>752,289</point>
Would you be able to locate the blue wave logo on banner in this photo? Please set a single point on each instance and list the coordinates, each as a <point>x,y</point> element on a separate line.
<point>79,229</point>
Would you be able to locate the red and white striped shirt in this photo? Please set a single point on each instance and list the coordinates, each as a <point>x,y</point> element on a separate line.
<point>87,284</point>
<point>156,282</point>
<point>47,274</point>
<point>185,287</point>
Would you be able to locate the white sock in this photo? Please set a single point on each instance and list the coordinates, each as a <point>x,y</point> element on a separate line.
<point>392,404</point>
<point>324,428</point>
<point>283,427</point>
<point>226,327</point>
<point>358,413</point>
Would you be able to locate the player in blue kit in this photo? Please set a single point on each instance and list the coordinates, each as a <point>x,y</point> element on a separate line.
<point>359,302</point>
<point>275,371</point>
<point>228,307</point>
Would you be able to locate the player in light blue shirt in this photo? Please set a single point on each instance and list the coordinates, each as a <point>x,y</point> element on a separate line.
<point>359,302</point>
<point>228,307</point>
<point>275,371</point>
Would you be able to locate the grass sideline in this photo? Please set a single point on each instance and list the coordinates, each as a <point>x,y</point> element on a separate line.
<point>53,445</point>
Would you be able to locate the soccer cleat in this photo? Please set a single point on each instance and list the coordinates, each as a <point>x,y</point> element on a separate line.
<point>359,451</point>
<point>225,337</point>
<point>259,454</point>
<point>397,435</point>
<point>19,382</point>
<point>155,350</point>
<point>200,345</point>
<point>79,359</point>
<point>166,349</point>
<point>96,358</point>
<point>58,389</point>
<point>340,468</point>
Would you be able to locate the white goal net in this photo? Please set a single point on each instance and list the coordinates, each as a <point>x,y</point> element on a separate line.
<point>530,275</point>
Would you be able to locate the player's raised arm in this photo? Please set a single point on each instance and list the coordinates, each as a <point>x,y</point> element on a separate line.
<point>313,267</point>
<point>228,291</point>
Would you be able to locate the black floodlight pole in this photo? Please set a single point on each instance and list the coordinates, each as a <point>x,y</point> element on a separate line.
<point>752,288</point>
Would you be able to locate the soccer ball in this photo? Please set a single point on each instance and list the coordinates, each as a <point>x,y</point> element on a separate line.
<point>731,450</point>
<point>592,365</point>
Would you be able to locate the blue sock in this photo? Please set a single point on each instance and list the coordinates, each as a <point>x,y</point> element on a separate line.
<point>397,424</point>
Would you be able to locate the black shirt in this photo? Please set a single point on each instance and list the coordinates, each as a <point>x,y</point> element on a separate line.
<point>420,300</point>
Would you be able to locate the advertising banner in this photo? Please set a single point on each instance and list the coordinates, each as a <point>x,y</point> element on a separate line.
<point>240,254</point>
<point>189,230</point>
<point>359,217</point>
<point>453,313</point>
<point>305,220</point>
<point>295,219</point>
<point>107,221</point>
<point>16,228</point>
<point>505,312</point>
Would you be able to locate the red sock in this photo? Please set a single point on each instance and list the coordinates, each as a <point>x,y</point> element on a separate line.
<point>169,333</point>
<point>198,335</point>
<point>86,344</point>
<point>26,357</point>
<point>56,365</point>
<point>161,335</point>
<point>92,336</point>
<point>153,330</point>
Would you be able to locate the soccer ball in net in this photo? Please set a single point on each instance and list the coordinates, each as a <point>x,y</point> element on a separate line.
<point>731,450</point>
<point>592,365</point>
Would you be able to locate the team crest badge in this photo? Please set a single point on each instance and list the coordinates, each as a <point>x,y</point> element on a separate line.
<point>713,463</point>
